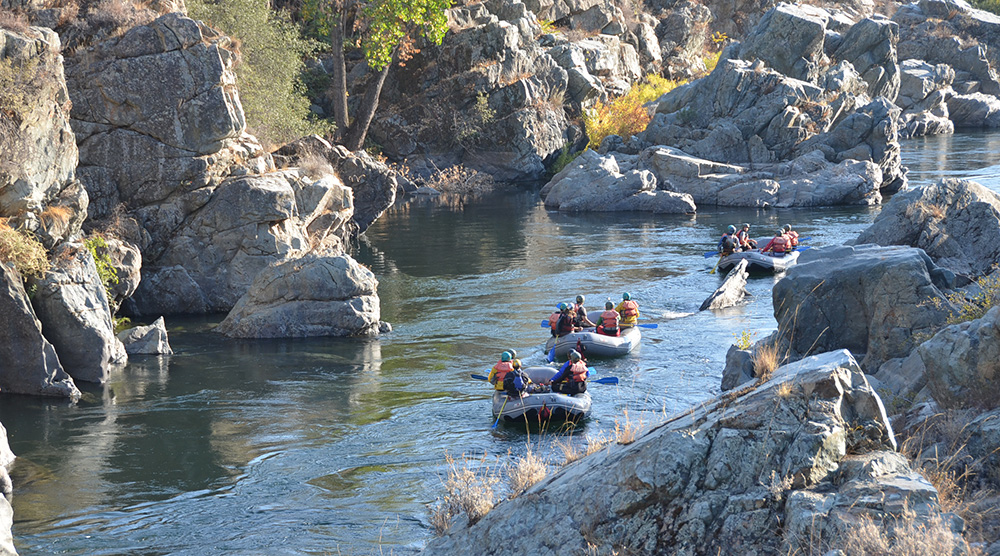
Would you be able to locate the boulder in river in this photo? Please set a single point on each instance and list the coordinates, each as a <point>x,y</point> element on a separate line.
<point>868,299</point>
<point>309,296</point>
<point>732,290</point>
<point>28,362</point>
<point>956,222</point>
<point>146,340</point>
<point>754,471</point>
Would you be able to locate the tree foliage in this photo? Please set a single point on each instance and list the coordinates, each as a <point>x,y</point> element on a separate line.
<point>271,61</point>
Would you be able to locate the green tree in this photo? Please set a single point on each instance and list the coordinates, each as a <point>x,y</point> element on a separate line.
<point>271,60</point>
<point>385,31</point>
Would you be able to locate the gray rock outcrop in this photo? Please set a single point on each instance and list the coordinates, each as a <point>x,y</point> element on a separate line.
<point>956,222</point>
<point>594,182</point>
<point>72,306</point>
<point>732,290</point>
<point>146,340</point>
<point>28,362</point>
<point>735,473</point>
<point>310,296</point>
<point>739,368</point>
<point>870,300</point>
<point>39,155</point>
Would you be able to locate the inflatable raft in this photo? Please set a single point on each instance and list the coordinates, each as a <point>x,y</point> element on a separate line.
<point>594,344</point>
<point>541,407</point>
<point>759,262</point>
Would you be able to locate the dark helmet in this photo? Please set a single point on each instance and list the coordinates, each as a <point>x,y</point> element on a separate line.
<point>787,227</point>
<point>780,232</point>
<point>731,229</point>
<point>513,354</point>
<point>746,226</point>
<point>505,356</point>
<point>626,296</point>
<point>574,355</point>
<point>609,305</point>
<point>579,299</point>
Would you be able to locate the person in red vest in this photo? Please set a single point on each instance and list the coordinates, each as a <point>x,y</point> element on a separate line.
<point>607,323</point>
<point>572,376</point>
<point>792,236</point>
<point>778,245</point>
<point>500,370</point>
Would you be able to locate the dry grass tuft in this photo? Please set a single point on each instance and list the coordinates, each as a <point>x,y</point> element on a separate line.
<point>315,166</point>
<point>572,453</point>
<point>524,472</point>
<point>627,430</point>
<point>466,492</point>
<point>460,180</point>
<point>906,534</point>
<point>55,217</point>
<point>121,15</point>
<point>23,251</point>
<point>12,20</point>
<point>765,360</point>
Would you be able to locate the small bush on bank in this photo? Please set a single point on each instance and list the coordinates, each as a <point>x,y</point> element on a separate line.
<point>98,247</point>
<point>460,180</point>
<point>269,73</point>
<point>524,472</point>
<point>23,251</point>
<point>992,6</point>
<point>978,304</point>
<point>765,360</point>
<point>13,21</point>
<point>626,115</point>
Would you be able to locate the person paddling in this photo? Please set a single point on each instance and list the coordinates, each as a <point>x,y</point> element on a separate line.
<point>792,236</point>
<point>728,244</point>
<point>607,323</point>
<point>499,371</point>
<point>628,309</point>
<point>572,376</point>
<point>581,314</point>
<point>743,238</point>
<point>778,245</point>
<point>564,324</point>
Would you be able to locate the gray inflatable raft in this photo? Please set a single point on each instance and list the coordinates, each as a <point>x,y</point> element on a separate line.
<point>759,262</point>
<point>594,344</point>
<point>541,407</point>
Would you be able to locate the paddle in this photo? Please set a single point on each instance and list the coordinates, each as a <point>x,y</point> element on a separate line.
<point>499,415</point>
<point>716,264</point>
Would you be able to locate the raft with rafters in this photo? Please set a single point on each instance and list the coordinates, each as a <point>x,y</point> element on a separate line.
<point>594,344</point>
<point>758,262</point>
<point>543,406</point>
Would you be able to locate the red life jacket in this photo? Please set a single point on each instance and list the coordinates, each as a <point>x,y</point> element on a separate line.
<point>554,320</point>
<point>793,238</point>
<point>630,309</point>
<point>779,244</point>
<point>578,371</point>
<point>502,368</point>
<point>609,323</point>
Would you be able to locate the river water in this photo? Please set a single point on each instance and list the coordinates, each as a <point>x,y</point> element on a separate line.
<point>336,446</point>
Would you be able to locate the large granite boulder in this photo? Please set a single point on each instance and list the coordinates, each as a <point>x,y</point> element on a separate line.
<point>958,368</point>
<point>72,305</point>
<point>789,40</point>
<point>593,182</point>
<point>242,226</point>
<point>28,362</point>
<point>39,155</point>
<point>956,222</point>
<point>732,290</point>
<point>870,300</point>
<point>745,473</point>
<point>310,296</point>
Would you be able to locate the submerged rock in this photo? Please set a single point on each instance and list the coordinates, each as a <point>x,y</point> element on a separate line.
<point>732,290</point>
<point>28,362</point>
<point>750,472</point>
<point>311,296</point>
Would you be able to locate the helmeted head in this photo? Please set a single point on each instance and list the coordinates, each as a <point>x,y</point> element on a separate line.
<point>780,232</point>
<point>787,228</point>
<point>626,296</point>
<point>609,305</point>
<point>513,354</point>
<point>746,226</point>
<point>574,355</point>
<point>579,299</point>
<point>505,356</point>
<point>731,229</point>
<point>562,307</point>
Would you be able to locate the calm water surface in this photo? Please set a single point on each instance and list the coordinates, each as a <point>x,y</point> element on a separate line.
<point>335,446</point>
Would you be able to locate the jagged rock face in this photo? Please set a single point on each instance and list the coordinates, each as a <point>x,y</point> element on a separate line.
<point>72,306</point>
<point>956,222</point>
<point>39,155</point>
<point>720,478</point>
<point>923,94</point>
<point>867,299</point>
<point>310,296</point>
<point>143,143</point>
<point>488,97</point>
<point>244,225</point>
<point>28,362</point>
<point>788,40</point>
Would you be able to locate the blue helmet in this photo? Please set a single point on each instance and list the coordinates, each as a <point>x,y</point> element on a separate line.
<point>626,296</point>
<point>731,229</point>
<point>563,307</point>
<point>505,356</point>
